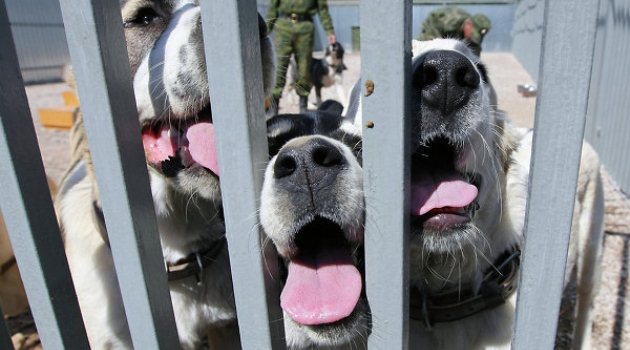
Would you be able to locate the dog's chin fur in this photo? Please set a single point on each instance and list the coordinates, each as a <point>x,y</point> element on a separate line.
<point>168,66</point>
<point>283,215</point>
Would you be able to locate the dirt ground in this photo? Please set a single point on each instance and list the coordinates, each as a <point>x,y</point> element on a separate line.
<point>611,330</point>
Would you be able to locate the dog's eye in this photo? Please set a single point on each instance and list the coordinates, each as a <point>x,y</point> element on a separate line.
<point>143,17</point>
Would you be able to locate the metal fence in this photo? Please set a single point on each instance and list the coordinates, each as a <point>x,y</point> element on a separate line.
<point>607,127</point>
<point>97,47</point>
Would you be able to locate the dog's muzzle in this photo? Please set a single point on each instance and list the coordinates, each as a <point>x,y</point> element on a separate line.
<point>446,79</point>
<point>308,167</point>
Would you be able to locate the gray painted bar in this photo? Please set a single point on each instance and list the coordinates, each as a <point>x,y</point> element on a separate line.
<point>386,60</point>
<point>559,128</point>
<point>28,211</point>
<point>233,54</point>
<point>99,56</point>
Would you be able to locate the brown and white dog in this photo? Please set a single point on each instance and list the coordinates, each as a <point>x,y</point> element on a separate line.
<point>167,61</point>
<point>469,185</point>
<point>312,211</point>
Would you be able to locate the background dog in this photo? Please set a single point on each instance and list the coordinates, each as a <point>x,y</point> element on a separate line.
<point>167,61</point>
<point>325,72</point>
<point>328,72</point>
<point>313,213</point>
<point>469,184</point>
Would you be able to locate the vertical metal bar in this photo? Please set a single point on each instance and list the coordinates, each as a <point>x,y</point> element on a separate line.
<point>99,56</point>
<point>28,211</point>
<point>559,128</point>
<point>386,62</point>
<point>5,335</point>
<point>230,30</point>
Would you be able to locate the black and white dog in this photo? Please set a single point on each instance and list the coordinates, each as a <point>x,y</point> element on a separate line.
<point>328,72</point>
<point>312,210</point>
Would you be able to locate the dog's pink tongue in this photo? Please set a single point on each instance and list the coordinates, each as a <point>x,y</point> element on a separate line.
<point>157,146</point>
<point>202,146</point>
<point>323,288</point>
<point>440,189</point>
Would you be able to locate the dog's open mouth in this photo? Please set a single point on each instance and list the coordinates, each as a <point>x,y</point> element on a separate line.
<point>182,143</point>
<point>323,285</point>
<point>441,196</point>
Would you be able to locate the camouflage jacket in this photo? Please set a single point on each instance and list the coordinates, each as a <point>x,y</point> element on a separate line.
<point>447,22</point>
<point>283,8</point>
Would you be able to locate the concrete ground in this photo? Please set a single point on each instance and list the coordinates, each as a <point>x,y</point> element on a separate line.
<point>611,331</point>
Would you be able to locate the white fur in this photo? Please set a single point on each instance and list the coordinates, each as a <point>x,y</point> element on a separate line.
<point>278,219</point>
<point>499,223</point>
<point>170,82</point>
<point>492,329</point>
<point>196,306</point>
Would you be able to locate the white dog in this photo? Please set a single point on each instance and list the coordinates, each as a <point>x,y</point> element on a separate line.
<point>470,171</point>
<point>167,61</point>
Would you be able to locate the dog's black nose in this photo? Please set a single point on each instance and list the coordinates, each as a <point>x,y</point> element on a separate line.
<point>307,161</point>
<point>446,80</point>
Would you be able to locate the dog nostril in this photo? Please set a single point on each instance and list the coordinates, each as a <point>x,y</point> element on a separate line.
<point>429,75</point>
<point>467,77</point>
<point>285,166</point>
<point>327,156</point>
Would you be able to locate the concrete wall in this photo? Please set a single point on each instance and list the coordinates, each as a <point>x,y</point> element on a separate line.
<point>39,38</point>
<point>527,34</point>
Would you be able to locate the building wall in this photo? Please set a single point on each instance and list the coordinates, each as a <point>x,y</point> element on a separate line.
<point>39,35</point>
<point>39,38</point>
<point>527,34</point>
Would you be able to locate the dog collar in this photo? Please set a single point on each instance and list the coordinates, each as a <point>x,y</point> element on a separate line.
<point>498,284</point>
<point>7,265</point>
<point>193,264</point>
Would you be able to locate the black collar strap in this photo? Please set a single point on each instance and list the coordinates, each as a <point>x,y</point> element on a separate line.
<point>498,284</point>
<point>192,265</point>
<point>7,265</point>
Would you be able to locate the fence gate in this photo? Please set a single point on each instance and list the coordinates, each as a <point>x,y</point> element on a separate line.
<point>97,47</point>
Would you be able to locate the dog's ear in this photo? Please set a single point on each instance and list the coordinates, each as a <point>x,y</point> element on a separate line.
<point>331,107</point>
<point>343,66</point>
<point>484,72</point>
<point>282,128</point>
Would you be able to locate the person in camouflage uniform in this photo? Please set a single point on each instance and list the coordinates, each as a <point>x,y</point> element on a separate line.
<point>293,21</point>
<point>453,22</point>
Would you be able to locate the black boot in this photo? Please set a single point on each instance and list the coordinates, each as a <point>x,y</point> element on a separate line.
<point>303,104</point>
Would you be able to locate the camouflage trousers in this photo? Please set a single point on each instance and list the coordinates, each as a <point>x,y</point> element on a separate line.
<point>294,38</point>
